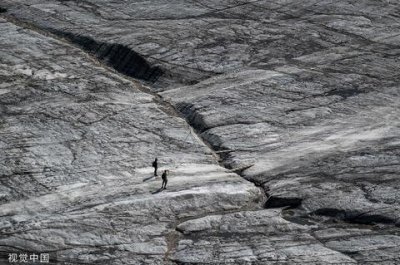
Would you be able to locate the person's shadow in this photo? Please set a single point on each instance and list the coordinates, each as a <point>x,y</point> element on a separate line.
<point>158,191</point>
<point>149,178</point>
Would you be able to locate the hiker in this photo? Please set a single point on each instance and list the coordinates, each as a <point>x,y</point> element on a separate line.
<point>164,179</point>
<point>155,165</point>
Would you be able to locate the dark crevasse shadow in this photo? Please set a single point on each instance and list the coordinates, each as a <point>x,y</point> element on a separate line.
<point>118,56</point>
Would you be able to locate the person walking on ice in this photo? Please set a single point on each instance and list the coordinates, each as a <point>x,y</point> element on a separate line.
<point>164,179</point>
<point>155,165</point>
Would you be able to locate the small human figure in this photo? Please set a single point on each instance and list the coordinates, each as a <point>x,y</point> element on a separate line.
<point>164,179</point>
<point>155,165</point>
